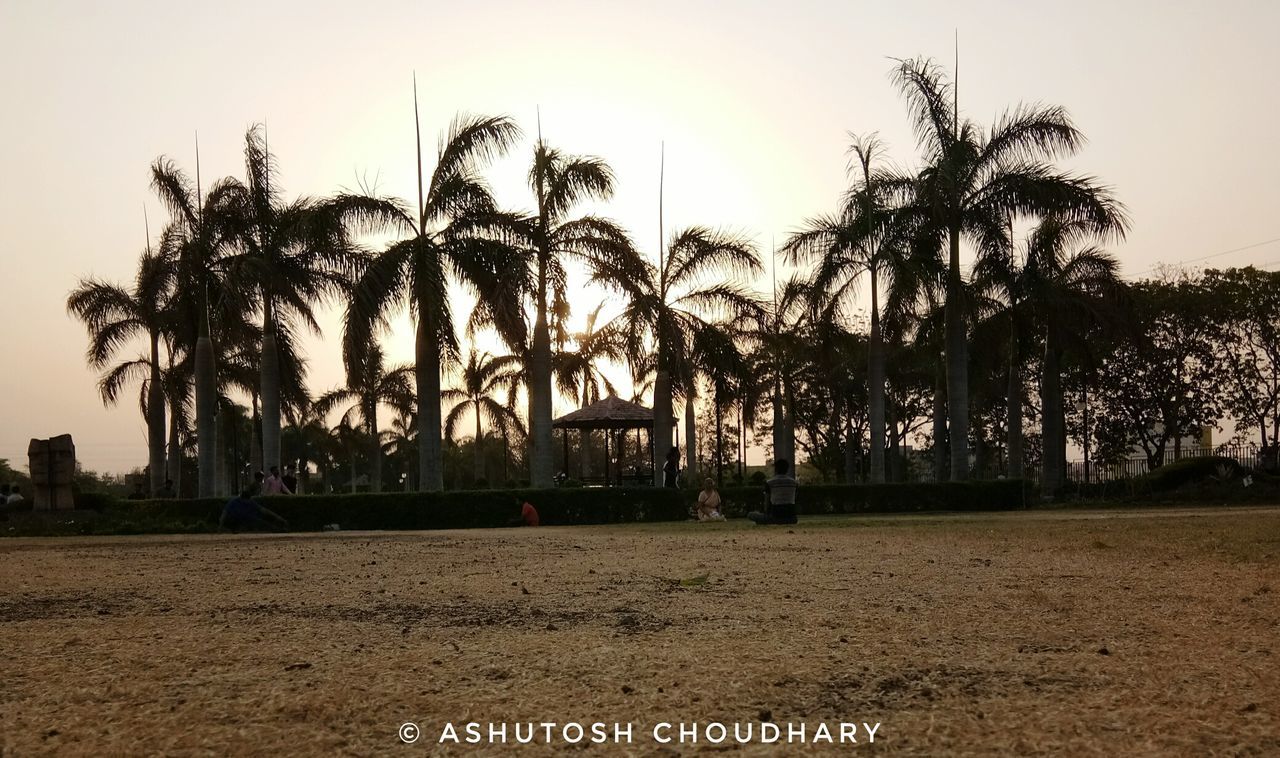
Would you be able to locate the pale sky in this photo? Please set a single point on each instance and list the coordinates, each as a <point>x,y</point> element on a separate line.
<point>752,99</point>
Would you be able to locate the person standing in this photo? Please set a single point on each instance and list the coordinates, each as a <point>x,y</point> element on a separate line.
<point>781,494</point>
<point>274,485</point>
<point>290,481</point>
<point>671,469</point>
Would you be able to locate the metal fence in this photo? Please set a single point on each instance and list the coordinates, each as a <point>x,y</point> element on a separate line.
<point>1247,456</point>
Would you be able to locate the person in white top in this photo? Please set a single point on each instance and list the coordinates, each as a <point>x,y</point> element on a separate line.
<point>709,502</point>
<point>15,496</point>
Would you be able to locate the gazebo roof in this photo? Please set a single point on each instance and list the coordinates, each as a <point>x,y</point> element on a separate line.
<point>610,413</point>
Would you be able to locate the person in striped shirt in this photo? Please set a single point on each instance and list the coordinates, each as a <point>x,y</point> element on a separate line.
<point>781,494</point>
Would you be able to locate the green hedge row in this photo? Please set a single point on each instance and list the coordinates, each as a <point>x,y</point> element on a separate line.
<point>414,510</point>
<point>817,499</point>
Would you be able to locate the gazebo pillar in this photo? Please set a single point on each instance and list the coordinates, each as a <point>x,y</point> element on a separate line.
<point>564,437</point>
<point>606,458</point>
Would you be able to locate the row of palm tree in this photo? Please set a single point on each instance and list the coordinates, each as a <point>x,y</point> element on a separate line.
<point>239,271</point>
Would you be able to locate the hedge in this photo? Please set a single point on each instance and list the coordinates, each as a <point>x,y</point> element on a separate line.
<point>408,510</point>
<point>100,514</point>
<point>817,499</point>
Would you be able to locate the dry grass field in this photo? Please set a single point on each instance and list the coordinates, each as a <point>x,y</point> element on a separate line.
<point>1116,633</point>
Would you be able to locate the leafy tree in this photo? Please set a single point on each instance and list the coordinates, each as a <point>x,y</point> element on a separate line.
<point>1161,381</point>
<point>1246,339</point>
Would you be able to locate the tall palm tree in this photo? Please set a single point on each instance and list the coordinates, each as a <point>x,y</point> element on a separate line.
<point>862,239</point>
<point>115,316</point>
<point>294,254</point>
<point>199,261</point>
<point>672,302</point>
<point>456,230</point>
<point>559,183</point>
<point>971,183</point>
<point>370,386</point>
<point>482,378</point>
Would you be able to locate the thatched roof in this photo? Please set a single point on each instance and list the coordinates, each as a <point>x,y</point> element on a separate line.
<point>609,413</point>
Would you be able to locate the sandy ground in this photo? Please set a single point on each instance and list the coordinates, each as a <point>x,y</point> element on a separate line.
<point>1119,633</point>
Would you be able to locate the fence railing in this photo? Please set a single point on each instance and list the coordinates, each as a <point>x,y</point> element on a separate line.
<point>1247,456</point>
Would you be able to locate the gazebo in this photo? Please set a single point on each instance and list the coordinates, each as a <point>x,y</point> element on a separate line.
<point>610,414</point>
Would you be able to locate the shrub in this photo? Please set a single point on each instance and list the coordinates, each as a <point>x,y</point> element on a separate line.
<point>1184,471</point>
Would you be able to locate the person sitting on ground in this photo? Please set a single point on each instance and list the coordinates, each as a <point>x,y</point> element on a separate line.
<point>709,502</point>
<point>274,485</point>
<point>242,512</point>
<point>15,495</point>
<point>528,514</point>
<point>781,494</point>
<point>168,491</point>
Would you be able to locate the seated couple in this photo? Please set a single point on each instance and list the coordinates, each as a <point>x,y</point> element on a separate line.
<point>780,495</point>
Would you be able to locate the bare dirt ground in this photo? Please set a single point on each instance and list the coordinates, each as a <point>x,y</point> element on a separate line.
<point>1118,633</point>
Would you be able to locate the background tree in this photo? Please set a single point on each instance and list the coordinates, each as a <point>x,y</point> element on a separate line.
<point>482,379</point>
<point>369,387</point>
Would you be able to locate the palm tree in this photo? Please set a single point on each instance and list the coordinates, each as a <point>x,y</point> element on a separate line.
<point>199,263</point>
<point>370,386</point>
<point>114,316</point>
<point>482,378</point>
<point>559,183</point>
<point>456,230</point>
<point>861,238</point>
<point>578,370</point>
<point>672,302</point>
<point>1069,282</point>
<point>294,255</point>
<point>971,184</point>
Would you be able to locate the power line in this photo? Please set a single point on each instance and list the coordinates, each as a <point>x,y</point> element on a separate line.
<point>1194,260</point>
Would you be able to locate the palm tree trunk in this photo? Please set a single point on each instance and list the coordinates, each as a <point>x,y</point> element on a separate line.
<point>940,424</point>
<point>875,385</point>
<point>850,448</point>
<point>690,436</point>
<point>155,419</point>
<point>479,461</point>
<point>661,419</point>
<point>1054,441</point>
<point>223,483</point>
<point>255,439</point>
<point>206,411</point>
<point>957,366</point>
<point>779,423</point>
<point>541,464</point>
<point>427,375</point>
<point>719,441</point>
<point>270,390</point>
<point>1015,411</point>
<point>173,470</point>
<point>375,450</point>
